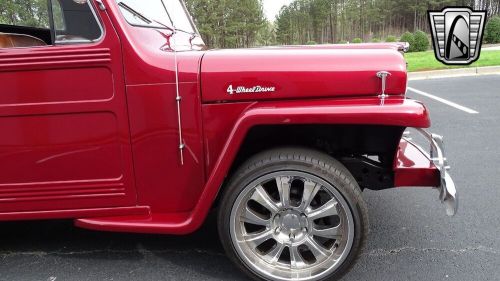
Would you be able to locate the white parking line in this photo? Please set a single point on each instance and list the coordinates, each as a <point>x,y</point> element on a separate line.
<point>447,102</point>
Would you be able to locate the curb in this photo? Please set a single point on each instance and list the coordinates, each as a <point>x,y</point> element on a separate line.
<point>458,72</point>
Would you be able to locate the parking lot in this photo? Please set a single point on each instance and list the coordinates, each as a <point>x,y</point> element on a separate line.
<point>411,237</point>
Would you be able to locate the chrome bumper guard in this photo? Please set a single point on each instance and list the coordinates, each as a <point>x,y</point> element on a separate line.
<point>447,190</point>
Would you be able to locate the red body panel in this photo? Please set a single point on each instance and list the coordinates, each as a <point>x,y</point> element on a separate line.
<point>162,182</point>
<point>412,168</point>
<point>65,133</point>
<point>91,131</point>
<point>301,73</point>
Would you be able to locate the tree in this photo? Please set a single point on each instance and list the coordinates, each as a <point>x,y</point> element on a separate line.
<point>492,31</point>
<point>330,21</point>
<point>284,31</point>
<point>228,23</point>
<point>32,13</point>
<point>267,35</point>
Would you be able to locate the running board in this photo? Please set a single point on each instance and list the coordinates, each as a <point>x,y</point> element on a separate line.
<point>154,223</point>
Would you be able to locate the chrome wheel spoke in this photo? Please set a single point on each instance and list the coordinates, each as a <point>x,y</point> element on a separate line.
<point>249,216</point>
<point>296,260</point>
<point>284,184</point>
<point>258,238</point>
<point>326,210</point>
<point>330,233</point>
<point>319,252</point>
<point>274,255</point>
<point>310,191</point>
<point>260,196</point>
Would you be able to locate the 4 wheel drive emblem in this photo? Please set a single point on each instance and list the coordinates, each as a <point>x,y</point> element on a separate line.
<point>249,90</point>
<point>457,34</point>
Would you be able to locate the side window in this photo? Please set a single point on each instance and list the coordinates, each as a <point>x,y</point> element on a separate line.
<point>75,22</point>
<point>28,23</point>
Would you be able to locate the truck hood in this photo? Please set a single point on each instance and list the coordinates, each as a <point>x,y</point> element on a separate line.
<point>301,72</point>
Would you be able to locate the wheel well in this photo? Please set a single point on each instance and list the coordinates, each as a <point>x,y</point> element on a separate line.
<point>366,150</point>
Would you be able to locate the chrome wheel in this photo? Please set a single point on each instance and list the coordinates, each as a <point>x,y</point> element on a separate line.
<point>291,225</point>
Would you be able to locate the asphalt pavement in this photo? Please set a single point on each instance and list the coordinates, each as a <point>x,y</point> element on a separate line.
<point>411,237</point>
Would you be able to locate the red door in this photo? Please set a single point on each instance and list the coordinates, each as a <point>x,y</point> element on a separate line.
<point>64,131</point>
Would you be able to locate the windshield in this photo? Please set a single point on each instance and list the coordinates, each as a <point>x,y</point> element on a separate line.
<point>153,14</point>
<point>179,15</point>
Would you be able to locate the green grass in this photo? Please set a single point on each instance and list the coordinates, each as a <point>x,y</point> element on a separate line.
<point>423,61</point>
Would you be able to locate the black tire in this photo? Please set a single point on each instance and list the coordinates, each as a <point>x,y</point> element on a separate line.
<point>310,161</point>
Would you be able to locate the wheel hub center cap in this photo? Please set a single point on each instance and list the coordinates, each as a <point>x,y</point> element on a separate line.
<point>291,222</point>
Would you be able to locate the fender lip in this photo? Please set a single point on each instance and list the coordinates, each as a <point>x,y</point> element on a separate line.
<point>361,111</point>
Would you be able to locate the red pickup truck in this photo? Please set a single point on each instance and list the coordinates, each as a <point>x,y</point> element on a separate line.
<point>114,114</point>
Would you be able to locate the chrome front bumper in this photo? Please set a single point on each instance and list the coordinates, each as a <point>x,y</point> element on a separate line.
<point>447,190</point>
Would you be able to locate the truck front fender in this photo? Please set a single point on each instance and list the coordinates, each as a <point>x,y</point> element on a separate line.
<point>398,112</point>
<point>221,127</point>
